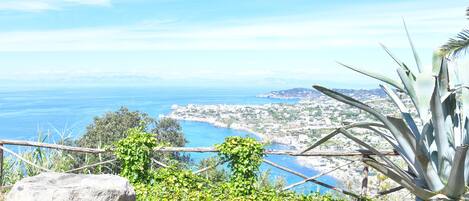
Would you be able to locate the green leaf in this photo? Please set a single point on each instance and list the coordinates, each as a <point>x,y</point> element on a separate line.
<point>414,51</point>
<point>401,64</point>
<point>441,134</point>
<point>376,76</point>
<point>406,176</point>
<point>404,111</point>
<point>335,132</point>
<point>456,184</point>
<point>403,142</point>
<point>389,172</point>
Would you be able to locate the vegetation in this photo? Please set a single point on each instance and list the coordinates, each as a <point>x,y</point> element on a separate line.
<point>113,126</point>
<point>244,156</point>
<point>436,153</point>
<point>455,46</point>
<point>135,154</point>
<point>55,160</point>
<point>172,183</point>
<point>217,174</point>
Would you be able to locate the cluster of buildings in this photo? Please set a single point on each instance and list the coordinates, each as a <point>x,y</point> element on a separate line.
<point>298,125</point>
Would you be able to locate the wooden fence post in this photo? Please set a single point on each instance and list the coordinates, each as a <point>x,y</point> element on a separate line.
<point>1,166</point>
<point>365,180</point>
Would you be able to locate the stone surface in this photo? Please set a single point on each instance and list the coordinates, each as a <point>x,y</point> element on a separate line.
<point>72,187</point>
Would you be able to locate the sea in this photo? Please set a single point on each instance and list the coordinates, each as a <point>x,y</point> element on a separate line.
<point>68,110</point>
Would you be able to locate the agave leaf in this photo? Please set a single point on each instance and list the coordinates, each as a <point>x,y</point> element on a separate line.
<point>436,61</point>
<point>414,167</point>
<point>424,86</point>
<point>409,178</point>
<point>404,132</point>
<point>322,140</point>
<point>427,134</point>
<point>387,137</point>
<point>456,184</point>
<point>403,143</point>
<point>404,111</point>
<point>376,76</point>
<point>452,120</point>
<point>416,56</point>
<point>427,140</point>
<point>424,166</point>
<point>441,135</point>
<point>395,99</point>
<point>443,76</point>
<point>401,64</point>
<point>410,89</point>
<point>465,101</point>
<point>420,192</point>
<point>406,141</point>
<point>335,132</point>
<point>465,115</point>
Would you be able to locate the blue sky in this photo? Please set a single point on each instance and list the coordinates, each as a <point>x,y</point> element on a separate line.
<point>252,43</point>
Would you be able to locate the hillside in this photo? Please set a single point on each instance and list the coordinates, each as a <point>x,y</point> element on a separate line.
<point>305,93</point>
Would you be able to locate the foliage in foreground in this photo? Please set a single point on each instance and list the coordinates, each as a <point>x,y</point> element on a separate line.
<point>51,159</point>
<point>245,155</point>
<point>435,153</point>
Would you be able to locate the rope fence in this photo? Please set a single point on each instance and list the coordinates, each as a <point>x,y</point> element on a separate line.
<point>307,153</point>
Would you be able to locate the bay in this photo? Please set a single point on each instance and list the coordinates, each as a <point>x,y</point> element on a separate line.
<point>25,112</point>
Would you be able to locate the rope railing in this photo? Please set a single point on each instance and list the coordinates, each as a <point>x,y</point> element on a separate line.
<point>90,166</point>
<point>307,152</point>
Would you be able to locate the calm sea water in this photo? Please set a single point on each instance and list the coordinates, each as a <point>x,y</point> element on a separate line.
<point>24,113</point>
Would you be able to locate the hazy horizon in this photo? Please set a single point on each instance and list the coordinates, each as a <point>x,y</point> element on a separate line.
<point>175,43</point>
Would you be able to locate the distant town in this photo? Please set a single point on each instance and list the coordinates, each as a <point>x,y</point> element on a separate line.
<point>300,124</point>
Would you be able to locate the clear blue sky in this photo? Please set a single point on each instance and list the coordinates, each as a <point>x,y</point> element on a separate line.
<point>251,43</point>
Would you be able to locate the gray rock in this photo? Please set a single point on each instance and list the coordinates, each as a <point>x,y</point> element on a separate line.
<point>72,187</point>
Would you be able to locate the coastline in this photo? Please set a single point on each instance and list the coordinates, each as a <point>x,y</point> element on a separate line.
<point>319,164</point>
<point>263,137</point>
<point>346,177</point>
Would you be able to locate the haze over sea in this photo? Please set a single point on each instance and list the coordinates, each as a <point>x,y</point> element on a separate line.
<point>24,113</point>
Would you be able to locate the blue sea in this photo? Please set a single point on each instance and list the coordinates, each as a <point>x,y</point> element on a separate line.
<point>25,112</point>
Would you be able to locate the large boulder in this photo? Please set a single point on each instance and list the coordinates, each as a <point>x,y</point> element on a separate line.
<point>72,187</point>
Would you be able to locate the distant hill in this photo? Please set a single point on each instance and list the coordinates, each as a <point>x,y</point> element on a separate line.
<point>305,93</point>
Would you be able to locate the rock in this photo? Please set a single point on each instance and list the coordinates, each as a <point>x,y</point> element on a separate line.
<point>72,187</point>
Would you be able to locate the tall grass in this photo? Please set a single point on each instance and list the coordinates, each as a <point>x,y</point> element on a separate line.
<point>50,159</point>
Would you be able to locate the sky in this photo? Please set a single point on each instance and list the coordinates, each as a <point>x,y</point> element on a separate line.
<point>216,43</point>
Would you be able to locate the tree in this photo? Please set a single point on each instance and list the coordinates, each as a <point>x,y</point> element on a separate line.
<point>458,44</point>
<point>216,174</point>
<point>113,126</point>
<point>169,130</point>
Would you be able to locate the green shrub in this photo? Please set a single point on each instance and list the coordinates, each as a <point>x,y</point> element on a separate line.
<point>245,156</point>
<point>173,183</point>
<point>134,152</point>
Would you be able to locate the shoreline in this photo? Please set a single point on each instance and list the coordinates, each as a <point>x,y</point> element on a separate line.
<point>347,177</point>
<point>318,164</point>
<point>263,137</point>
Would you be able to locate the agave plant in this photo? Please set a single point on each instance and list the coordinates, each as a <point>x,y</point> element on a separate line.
<point>435,150</point>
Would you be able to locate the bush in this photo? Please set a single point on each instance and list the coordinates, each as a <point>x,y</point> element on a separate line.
<point>175,184</point>
<point>244,156</point>
<point>134,153</point>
